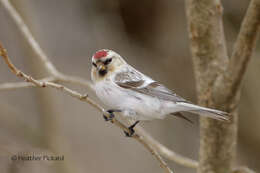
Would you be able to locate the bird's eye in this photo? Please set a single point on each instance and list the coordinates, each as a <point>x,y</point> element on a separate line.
<point>108,61</point>
<point>94,64</point>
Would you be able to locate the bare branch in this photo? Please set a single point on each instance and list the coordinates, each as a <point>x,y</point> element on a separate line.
<point>17,85</point>
<point>163,164</point>
<point>75,80</point>
<point>60,77</point>
<point>243,50</point>
<point>218,78</point>
<point>51,69</point>
<point>85,98</point>
<point>166,152</point>
<point>243,169</point>
<point>29,37</point>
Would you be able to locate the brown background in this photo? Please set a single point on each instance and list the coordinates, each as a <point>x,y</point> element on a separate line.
<point>152,36</point>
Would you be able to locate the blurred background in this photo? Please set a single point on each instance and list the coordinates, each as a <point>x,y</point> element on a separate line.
<point>152,36</point>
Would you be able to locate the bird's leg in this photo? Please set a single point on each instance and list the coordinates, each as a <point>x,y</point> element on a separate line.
<point>131,130</point>
<point>111,114</point>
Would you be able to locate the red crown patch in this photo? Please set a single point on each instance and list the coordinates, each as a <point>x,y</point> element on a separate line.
<point>100,54</point>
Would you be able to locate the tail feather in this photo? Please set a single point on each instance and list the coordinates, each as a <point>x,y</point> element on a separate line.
<point>180,115</point>
<point>207,112</point>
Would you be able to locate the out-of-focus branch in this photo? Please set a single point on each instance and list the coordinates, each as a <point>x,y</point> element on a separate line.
<point>51,69</point>
<point>243,49</point>
<point>243,169</point>
<point>17,85</point>
<point>85,98</point>
<point>218,78</point>
<point>60,77</point>
<point>166,152</point>
<point>29,37</point>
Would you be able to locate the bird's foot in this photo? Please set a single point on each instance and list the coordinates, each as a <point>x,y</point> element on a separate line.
<point>130,133</point>
<point>131,130</point>
<point>111,114</point>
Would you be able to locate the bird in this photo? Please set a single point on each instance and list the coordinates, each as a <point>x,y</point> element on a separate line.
<point>137,96</point>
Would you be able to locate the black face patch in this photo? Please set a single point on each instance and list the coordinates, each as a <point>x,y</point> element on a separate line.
<point>102,72</point>
<point>94,64</point>
<point>108,61</point>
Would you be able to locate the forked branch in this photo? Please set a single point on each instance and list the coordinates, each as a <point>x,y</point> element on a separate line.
<point>218,77</point>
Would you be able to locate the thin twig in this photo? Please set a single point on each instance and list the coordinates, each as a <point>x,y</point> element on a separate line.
<point>75,80</point>
<point>85,98</point>
<point>51,69</point>
<point>58,76</point>
<point>166,152</point>
<point>17,85</point>
<point>62,78</point>
<point>150,148</point>
<point>29,37</point>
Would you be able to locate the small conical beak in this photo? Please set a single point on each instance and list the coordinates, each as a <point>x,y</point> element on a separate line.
<point>101,67</point>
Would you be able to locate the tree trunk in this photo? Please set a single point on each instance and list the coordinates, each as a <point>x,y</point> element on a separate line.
<point>218,79</point>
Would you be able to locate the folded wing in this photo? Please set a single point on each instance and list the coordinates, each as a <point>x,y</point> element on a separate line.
<point>137,82</point>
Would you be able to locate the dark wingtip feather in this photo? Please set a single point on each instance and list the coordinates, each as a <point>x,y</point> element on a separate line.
<point>180,115</point>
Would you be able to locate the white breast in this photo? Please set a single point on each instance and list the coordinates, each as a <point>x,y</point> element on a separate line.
<point>133,104</point>
<point>109,94</point>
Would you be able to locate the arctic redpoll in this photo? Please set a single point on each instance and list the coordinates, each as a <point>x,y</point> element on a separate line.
<point>136,95</point>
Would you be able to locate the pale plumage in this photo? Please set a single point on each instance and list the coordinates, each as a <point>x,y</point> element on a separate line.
<point>139,97</point>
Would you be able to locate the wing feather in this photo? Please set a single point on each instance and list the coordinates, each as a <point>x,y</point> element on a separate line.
<point>135,81</point>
